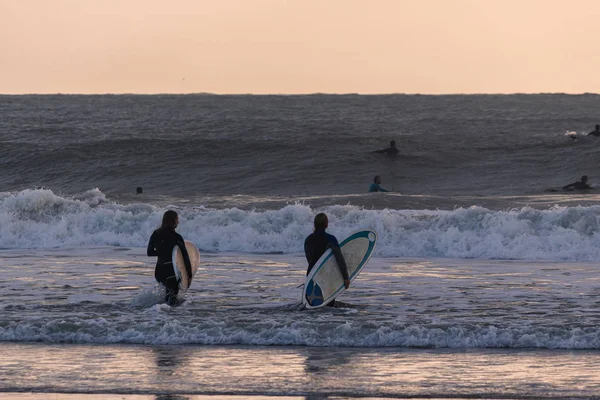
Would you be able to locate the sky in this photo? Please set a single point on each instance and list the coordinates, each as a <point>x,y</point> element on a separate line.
<point>299,46</point>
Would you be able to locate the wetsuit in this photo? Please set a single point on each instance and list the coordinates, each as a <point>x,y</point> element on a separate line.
<point>161,244</point>
<point>316,244</point>
<point>390,151</point>
<point>376,188</point>
<point>577,186</point>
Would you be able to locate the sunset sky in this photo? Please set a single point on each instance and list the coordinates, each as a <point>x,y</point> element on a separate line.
<point>299,46</point>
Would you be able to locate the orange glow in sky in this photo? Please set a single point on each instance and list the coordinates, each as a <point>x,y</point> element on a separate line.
<point>299,46</point>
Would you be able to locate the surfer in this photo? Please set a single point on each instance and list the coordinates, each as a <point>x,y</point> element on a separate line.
<point>139,190</point>
<point>595,132</point>
<point>318,242</point>
<point>390,151</point>
<point>580,185</point>
<point>161,244</point>
<point>375,185</point>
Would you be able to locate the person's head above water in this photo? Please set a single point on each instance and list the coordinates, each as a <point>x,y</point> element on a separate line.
<point>584,178</point>
<point>139,190</point>
<point>170,220</point>
<point>393,143</point>
<point>321,221</point>
<point>377,179</point>
<point>597,127</point>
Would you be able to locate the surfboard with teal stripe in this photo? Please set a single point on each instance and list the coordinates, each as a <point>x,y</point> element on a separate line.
<point>325,281</point>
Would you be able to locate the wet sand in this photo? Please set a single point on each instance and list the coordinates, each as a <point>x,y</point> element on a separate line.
<point>195,372</point>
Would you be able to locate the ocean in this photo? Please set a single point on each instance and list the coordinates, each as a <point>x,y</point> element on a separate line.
<point>484,282</point>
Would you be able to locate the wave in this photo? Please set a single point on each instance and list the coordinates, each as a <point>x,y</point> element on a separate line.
<point>302,145</point>
<point>223,330</point>
<point>42,219</point>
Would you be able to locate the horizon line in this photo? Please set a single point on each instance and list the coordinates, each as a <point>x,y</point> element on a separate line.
<point>298,94</point>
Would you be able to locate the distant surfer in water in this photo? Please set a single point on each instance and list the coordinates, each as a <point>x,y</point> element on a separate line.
<point>375,185</point>
<point>161,244</point>
<point>595,132</point>
<point>580,185</point>
<point>390,151</point>
<point>318,242</point>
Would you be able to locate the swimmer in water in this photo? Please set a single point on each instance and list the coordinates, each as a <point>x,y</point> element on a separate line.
<point>390,151</point>
<point>375,185</point>
<point>595,132</point>
<point>580,185</point>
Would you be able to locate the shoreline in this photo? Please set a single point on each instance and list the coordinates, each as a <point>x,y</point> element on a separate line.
<point>137,372</point>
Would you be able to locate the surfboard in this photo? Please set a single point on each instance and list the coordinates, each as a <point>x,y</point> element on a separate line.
<point>179,264</point>
<point>325,281</point>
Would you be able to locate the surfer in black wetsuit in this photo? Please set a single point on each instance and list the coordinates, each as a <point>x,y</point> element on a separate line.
<point>161,244</point>
<point>318,242</point>
<point>390,151</point>
<point>580,185</point>
<point>595,132</point>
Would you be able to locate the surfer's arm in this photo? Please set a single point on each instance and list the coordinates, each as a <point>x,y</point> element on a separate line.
<point>382,189</point>
<point>341,262</point>
<point>186,256</point>
<point>152,251</point>
<point>570,186</point>
<point>339,257</point>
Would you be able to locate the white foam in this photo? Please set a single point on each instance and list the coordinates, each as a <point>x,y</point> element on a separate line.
<point>42,219</point>
<point>167,329</point>
<point>149,297</point>
<point>106,295</point>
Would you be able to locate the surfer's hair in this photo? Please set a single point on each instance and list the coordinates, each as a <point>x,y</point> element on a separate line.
<point>375,179</point>
<point>321,221</point>
<point>169,220</point>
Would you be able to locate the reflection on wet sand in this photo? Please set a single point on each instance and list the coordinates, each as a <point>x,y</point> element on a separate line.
<point>186,372</point>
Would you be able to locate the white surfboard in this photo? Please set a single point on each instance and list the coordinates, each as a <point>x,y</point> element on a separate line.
<point>325,281</point>
<point>179,264</point>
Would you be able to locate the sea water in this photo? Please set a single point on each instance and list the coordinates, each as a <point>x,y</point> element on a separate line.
<point>484,282</point>
<point>92,321</point>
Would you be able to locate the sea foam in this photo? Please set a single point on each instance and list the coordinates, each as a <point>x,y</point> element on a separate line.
<point>43,219</point>
<point>165,328</point>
